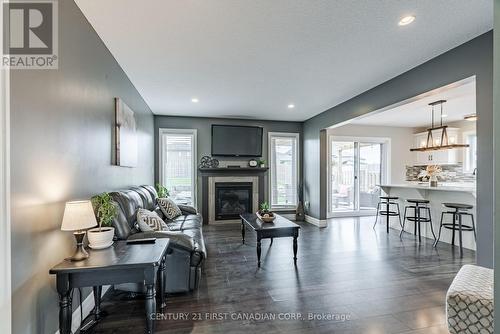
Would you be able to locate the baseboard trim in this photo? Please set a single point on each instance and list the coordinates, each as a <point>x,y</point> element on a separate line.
<point>87,306</point>
<point>315,221</point>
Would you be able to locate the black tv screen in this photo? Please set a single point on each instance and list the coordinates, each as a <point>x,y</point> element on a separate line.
<point>236,141</point>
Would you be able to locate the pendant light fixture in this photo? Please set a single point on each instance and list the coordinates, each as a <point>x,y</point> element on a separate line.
<point>444,143</point>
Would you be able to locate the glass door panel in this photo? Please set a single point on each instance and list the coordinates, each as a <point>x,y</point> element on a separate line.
<point>342,162</point>
<point>370,167</point>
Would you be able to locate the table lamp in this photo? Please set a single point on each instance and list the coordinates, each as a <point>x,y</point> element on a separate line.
<point>78,216</point>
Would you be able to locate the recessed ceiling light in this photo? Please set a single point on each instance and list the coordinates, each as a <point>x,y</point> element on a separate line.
<point>406,20</point>
<point>195,100</point>
<point>291,106</point>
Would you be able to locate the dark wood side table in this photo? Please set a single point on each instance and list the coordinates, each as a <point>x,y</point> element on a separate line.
<point>120,263</point>
<point>280,227</point>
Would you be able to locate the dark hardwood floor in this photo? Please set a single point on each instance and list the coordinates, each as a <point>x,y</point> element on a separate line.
<point>365,280</point>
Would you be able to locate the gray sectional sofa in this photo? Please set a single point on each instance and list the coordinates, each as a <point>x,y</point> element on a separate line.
<point>186,252</point>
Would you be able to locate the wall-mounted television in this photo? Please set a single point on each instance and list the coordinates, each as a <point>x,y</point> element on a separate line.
<point>236,141</point>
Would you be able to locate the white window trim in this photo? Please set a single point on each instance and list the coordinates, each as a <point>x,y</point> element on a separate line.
<point>385,172</point>
<point>194,133</point>
<point>269,152</point>
<point>5,222</point>
<point>465,157</point>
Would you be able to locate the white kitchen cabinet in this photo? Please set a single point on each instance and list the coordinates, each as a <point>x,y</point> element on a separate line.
<point>439,157</point>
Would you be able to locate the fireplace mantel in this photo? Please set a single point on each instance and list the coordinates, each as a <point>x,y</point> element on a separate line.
<point>207,173</point>
<point>233,170</point>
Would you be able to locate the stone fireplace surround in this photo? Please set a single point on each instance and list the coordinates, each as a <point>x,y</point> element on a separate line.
<point>210,176</point>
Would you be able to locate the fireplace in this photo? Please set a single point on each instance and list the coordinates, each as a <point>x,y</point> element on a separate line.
<point>232,199</point>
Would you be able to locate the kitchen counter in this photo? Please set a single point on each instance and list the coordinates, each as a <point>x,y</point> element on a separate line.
<point>444,186</point>
<point>445,192</point>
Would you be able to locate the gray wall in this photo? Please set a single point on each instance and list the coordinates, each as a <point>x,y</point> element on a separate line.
<point>472,58</point>
<point>61,147</point>
<point>204,133</point>
<point>496,137</point>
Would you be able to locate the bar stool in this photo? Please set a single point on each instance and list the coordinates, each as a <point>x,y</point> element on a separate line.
<point>387,201</point>
<point>417,205</point>
<point>457,211</point>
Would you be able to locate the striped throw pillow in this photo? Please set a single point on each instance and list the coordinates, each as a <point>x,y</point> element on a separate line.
<point>169,208</point>
<point>149,221</point>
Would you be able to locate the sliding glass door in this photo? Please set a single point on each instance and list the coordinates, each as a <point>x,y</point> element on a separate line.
<point>355,172</point>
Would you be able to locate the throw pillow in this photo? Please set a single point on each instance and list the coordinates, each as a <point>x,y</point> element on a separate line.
<point>149,221</point>
<point>169,208</point>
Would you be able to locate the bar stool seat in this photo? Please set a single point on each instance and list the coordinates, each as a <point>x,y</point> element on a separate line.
<point>417,204</point>
<point>387,211</point>
<point>458,210</point>
<point>458,206</point>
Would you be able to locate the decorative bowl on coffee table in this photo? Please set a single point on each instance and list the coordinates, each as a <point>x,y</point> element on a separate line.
<point>267,217</point>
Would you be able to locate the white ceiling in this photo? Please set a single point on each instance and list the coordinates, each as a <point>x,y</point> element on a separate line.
<point>251,58</point>
<point>461,101</point>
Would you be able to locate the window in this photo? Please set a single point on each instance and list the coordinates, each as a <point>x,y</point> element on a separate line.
<point>470,155</point>
<point>178,164</point>
<point>284,157</point>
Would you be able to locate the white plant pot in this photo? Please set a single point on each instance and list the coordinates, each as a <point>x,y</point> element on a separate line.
<point>100,239</point>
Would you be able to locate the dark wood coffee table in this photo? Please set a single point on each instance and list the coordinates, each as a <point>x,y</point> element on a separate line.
<point>280,227</point>
<point>120,263</point>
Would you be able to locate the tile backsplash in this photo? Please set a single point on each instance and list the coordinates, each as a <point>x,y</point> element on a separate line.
<point>451,173</point>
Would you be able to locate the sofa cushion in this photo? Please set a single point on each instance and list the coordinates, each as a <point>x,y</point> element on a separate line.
<point>122,228</point>
<point>169,208</point>
<point>130,201</point>
<point>150,221</point>
<point>149,202</point>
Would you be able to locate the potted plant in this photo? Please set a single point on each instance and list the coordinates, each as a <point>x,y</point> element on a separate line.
<point>264,214</point>
<point>105,210</point>
<point>162,191</point>
<point>262,163</point>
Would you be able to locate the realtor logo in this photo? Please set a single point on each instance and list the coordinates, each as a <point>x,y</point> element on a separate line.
<point>30,35</point>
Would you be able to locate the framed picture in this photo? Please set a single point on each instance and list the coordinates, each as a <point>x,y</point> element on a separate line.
<point>125,135</point>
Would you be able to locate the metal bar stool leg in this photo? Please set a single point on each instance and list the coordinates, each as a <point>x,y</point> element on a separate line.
<point>440,228</point>
<point>399,215</point>
<point>387,217</point>
<point>473,226</point>
<point>418,220</point>
<point>460,234</point>
<point>415,222</point>
<point>376,217</point>
<point>430,222</point>
<point>404,221</point>
<point>455,216</point>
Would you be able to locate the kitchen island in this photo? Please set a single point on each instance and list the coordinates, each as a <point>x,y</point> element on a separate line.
<point>445,192</point>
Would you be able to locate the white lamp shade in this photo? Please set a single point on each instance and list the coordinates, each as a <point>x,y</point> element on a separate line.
<point>78,215</point>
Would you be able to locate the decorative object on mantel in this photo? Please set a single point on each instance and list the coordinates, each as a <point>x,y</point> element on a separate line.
<point>299,211</point>
<point>102,237</point>
<point>78,216</point>
<point>209,162</point>
<point>444,144</point>
<point>265,214</point>
<point>253,163</point>
<point>125,135</point>
<point>262,163</point>
<point>432,172</point>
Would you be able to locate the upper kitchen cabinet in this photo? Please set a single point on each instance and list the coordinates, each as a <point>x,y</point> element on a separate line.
<point>438,157</point>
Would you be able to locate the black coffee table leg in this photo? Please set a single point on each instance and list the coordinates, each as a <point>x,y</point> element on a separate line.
<point>65,314</point>
<point>163,304</point>
<point>242,231</point>
<point>258,250</point>
<point>150,308</point>
<point>271,241</point>
<point>295,250</point>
